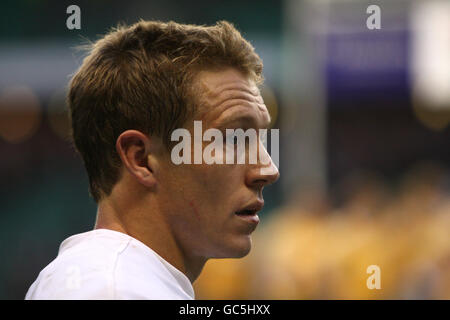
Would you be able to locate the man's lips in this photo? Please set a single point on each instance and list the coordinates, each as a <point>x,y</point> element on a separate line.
<point>250,211</point>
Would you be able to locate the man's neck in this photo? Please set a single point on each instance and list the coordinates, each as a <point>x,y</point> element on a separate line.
<point>152,231</point>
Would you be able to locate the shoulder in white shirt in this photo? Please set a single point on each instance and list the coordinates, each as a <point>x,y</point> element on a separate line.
<point>106,264</point>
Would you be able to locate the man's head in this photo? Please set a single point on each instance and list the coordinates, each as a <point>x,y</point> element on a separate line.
<point>140,83</point>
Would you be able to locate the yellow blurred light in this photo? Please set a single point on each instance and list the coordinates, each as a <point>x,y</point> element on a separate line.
<point>436,119</point>
<point>224,279</point>
<point>20,114</point>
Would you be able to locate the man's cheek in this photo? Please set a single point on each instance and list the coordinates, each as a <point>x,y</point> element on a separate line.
<point>192,205</point>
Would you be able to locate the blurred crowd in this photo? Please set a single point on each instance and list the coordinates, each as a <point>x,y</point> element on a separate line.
<point>320,247</point>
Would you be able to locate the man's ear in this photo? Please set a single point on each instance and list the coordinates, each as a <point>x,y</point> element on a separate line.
<point>134,149</point>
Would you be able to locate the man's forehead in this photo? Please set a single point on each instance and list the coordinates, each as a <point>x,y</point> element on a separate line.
<point>214,81</point>
<point>227,92</point>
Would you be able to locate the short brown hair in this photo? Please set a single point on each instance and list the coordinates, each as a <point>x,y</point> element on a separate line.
<point>139,77</point>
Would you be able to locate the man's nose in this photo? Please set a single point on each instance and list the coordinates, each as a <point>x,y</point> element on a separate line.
<point>263,174</point>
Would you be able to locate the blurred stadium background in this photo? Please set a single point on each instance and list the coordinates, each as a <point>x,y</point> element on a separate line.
<point>364,158</point>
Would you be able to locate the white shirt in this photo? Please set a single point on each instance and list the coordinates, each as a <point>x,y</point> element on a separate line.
<point>106,264</point>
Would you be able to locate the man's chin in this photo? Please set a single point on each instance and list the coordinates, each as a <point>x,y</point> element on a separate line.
<point>236,248</point>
